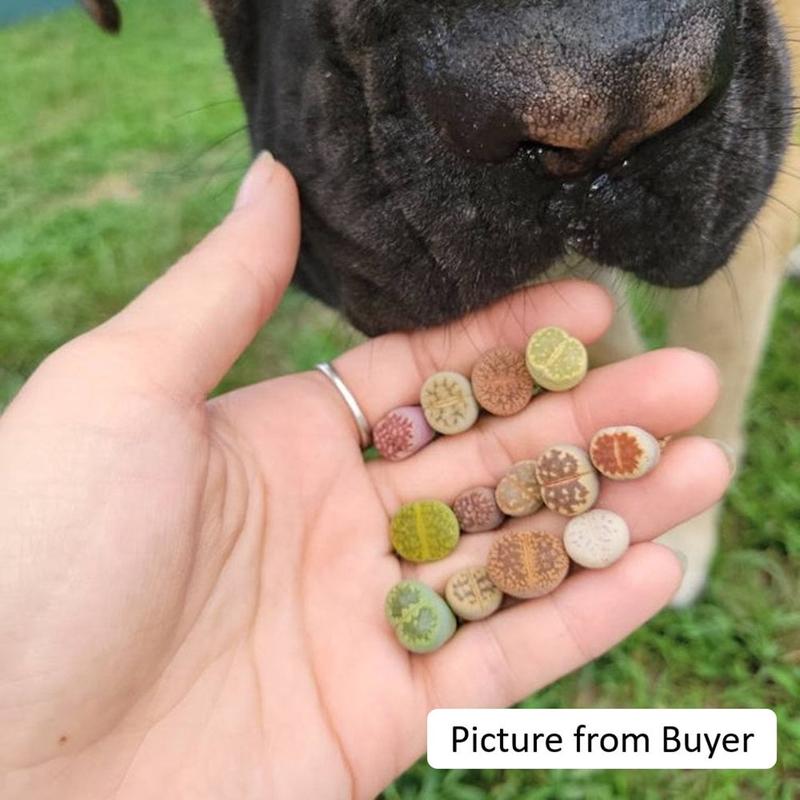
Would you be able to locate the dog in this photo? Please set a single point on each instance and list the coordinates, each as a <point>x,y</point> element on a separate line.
<point>449,152</point>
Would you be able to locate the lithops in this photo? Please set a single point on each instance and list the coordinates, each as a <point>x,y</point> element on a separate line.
<point>476,510</point>
<point>597,538</point>
<point>472,595</point>
<point>518,494</point>
<point>568,480</point>
<point>527,564</point>
<point>556,360</point>
<point>501,382</point>
<point>425,530</point>
<point>420,618</point>
<point>448,402</point>
<point>624,452</point>
<point>401,433</point>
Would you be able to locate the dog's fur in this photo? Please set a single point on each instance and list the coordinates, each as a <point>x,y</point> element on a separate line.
<point>406,226</point>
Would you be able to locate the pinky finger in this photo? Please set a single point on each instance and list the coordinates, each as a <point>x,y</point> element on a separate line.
<point>525,647</point>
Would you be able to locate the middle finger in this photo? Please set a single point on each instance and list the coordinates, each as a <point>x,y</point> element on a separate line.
<point>665,392</point>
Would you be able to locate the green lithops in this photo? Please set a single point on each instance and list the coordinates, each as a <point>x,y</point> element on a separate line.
<point>556,360</point>
<point>426,530</point>
<point>420,618</point>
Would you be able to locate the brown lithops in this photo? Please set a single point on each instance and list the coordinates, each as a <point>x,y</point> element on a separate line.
<point>448,403</point>
<point>527,564</point>
<point>501,382</point>
<point>472,595</point>
<point>518,493</point>
<point>568,480</point>
<point>476,510</point>
<point>624,452</point>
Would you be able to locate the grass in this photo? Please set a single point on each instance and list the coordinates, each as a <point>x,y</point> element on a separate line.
<point>119,154</point>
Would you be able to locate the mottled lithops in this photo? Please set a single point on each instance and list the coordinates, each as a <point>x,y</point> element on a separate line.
<point>518,494</point>
<point>624,452</point>
<point>420,618</point>
<point>556,360</point>
<point>476,510</point>
<point>425,530</point>
<point>501,382</point>
<point>472,595</point>
<point>597,538</point>
<point>568,480</point>
<point>448,402</point>
<point>401,433</point>
<point>527,563</point>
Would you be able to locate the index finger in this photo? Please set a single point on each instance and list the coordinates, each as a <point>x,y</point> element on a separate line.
<point>184,331</point>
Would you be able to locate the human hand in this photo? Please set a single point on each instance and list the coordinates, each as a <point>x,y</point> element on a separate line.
<point>191,591</point>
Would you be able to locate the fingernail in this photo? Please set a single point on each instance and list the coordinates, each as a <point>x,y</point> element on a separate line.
<point>256,180</point>
<point>730,454</point>
<point>682,558</point>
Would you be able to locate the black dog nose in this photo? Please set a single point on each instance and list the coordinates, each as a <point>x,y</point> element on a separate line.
<point>580,84</point>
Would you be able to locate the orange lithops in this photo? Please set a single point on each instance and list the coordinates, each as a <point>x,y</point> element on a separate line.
<point>624,452</point>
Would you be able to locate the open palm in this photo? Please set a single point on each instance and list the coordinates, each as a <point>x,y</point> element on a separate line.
<point>192,591</point>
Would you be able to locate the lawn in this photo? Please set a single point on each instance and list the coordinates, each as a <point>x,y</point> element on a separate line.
<point>119,154</point>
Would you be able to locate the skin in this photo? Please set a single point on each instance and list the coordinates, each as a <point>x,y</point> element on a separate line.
<point>192,590</point>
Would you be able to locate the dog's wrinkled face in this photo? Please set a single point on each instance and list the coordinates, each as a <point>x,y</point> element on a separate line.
<point>449,151</point>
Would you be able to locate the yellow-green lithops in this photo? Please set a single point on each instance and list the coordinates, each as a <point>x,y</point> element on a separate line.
<point>556,360</point>
<point>425,530</point>
<point>420,618</point>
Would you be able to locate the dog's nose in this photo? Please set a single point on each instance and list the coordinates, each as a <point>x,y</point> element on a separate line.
<point>578,88</point>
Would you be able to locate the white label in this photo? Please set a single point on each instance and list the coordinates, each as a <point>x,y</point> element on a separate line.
<point>627,738</point>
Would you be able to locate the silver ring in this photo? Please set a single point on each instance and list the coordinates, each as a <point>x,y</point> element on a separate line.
<point>327,369</point>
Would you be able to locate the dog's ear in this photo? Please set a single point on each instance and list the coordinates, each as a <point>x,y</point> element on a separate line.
<point>105,13</point>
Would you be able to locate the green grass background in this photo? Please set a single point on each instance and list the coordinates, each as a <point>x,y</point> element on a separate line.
<point>118,154</point>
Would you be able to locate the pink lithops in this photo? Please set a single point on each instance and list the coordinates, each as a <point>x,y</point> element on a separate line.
<point>401,433</point>
<point>624,452</point>
<point>477,511</point>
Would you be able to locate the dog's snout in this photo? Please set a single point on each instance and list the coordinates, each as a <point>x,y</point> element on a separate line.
<point>577,95</point>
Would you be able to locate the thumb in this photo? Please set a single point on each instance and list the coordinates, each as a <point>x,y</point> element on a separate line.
<point>188,327</point>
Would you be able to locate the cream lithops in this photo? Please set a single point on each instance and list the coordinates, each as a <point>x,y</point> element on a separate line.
<point>448,402</point>
<point>624,452</point>
<point>556,360</point>
<point>568,480</point>
<point>597,538</point>
<point>472,595</point>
